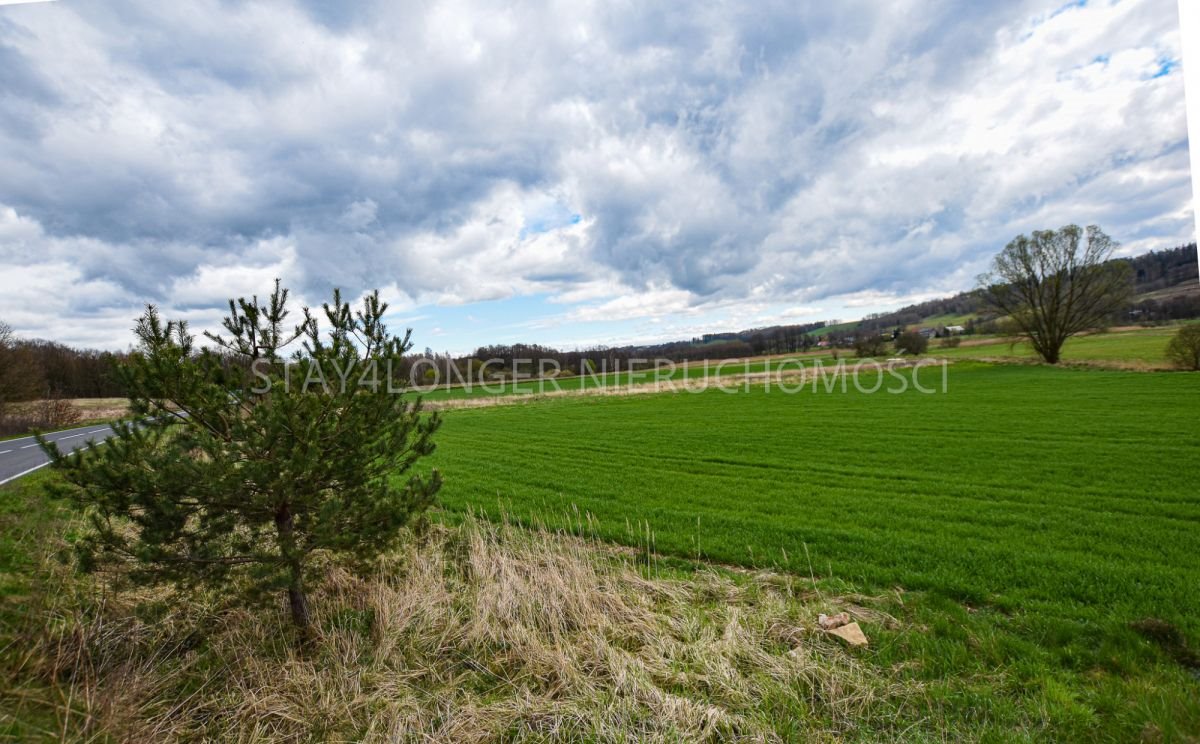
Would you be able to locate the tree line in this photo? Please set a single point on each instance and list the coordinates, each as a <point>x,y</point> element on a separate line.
<point>35,369</point>
<point>784,339</point>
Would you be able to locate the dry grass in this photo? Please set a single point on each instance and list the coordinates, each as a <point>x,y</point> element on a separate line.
<point>91,408</point>
<point>731,382</point>
<point>108,408</point>
<point>479,632</point>
<point>52,414</point>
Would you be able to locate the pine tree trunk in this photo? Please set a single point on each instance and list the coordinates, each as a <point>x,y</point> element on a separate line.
<point>297,599</point>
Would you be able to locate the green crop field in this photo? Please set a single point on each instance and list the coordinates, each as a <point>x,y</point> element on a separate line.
<point>1034,516</point>
<point>679,373</point>
<point>1144,345</point>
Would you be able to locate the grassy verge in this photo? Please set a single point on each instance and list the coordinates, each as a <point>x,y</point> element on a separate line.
<point>29,524</point>
<point>92,411</point>
<point>93,407</point>
<point>478,632</point>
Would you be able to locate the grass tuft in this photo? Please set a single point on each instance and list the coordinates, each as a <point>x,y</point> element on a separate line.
<point>480,631</point>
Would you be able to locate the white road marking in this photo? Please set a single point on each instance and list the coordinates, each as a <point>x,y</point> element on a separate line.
<point>50,435</point>
<point>47,462</point>
<point>17,439</point>
<point>24,472</point>
<point>35,444</point>
<point>5,452</point>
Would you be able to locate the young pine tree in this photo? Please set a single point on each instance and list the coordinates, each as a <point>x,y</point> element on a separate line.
<point>244,463</point>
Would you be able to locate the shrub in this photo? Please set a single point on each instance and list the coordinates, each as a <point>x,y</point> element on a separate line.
<point>57,413</point>
<point>911,342</point>
<point>950,342</point>
<point>870,345</point>
<point>1183,350</point>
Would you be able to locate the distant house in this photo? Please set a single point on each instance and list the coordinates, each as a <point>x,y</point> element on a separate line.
<point>955,330</point>
<point>927,332</point>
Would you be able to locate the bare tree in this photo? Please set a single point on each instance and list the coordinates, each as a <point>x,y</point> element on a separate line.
<point>1053,286</point>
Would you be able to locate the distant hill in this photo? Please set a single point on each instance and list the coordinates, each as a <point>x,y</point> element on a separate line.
<point>1166,285</point>
<point>1159,270</point>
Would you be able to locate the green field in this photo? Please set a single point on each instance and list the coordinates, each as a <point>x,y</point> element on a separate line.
<point>1143,345</point>
<point>1033,514</point>
<point>679,373</point>
<point>948,319</point>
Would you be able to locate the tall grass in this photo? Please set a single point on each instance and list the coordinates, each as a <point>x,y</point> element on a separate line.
<point>478,632</point>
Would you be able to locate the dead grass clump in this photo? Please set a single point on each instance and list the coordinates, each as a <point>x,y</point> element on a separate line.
<point>51,413</point>
<point>478,632</point>
<point>102,408</point>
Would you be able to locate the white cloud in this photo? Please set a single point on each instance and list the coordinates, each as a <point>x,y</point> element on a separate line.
<point>625,162</point>
<point>213,284</point>
<point>652,303</point>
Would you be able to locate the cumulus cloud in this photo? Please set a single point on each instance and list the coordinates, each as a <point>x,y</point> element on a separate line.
<point>622,161</point>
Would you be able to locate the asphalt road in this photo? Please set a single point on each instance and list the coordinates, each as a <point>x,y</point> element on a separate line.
<point>21,456</point>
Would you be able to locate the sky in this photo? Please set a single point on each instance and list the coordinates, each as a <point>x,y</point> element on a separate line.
<point>567,173</point>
